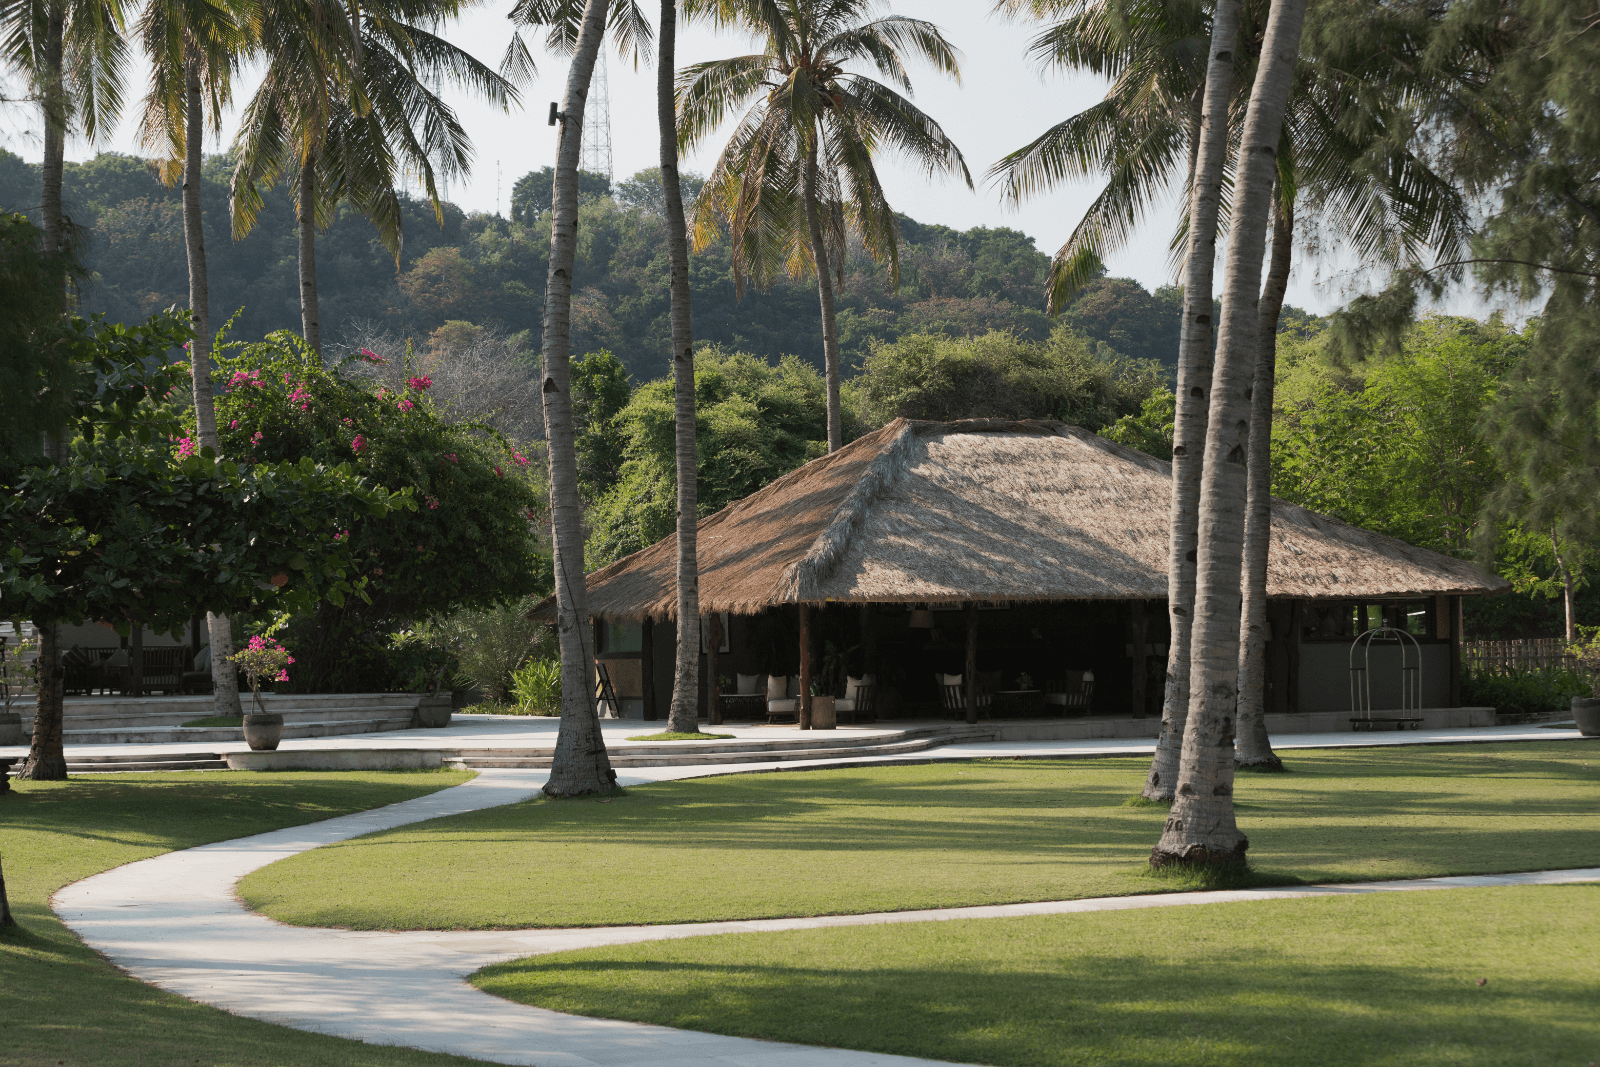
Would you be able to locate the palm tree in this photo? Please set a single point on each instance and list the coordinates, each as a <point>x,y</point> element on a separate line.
<point>798,171</point>
<point>194,47</point>
<point>345,105</point>
<point>1144,138</point>
<point>580,764</point>
<point>1201,830</point>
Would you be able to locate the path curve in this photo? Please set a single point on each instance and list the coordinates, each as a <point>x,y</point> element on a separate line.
<point>173,921</point>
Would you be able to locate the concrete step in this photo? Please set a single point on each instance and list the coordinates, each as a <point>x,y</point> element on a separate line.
<point>705,755</point>
<point>111,711</point>
<point>169,735</point>
<point>821,741</point>
<point>118,720</point>
<point>206,761</point>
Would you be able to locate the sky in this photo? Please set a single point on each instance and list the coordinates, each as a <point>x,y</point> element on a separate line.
<point>1001,103</point>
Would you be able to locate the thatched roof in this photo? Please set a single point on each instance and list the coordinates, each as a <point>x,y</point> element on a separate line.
<point>989,510</point>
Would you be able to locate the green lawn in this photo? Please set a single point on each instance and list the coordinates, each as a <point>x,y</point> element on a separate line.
<point>62,1003</point>
<point>873,839</point>
<point>1388,979</point>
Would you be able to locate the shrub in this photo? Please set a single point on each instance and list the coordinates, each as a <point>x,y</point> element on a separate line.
<point>490,643</point>
<point>537,687</point>
<point>1524,692</point>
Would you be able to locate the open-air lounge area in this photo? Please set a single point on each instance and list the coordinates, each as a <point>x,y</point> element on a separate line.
<point>988,570</point>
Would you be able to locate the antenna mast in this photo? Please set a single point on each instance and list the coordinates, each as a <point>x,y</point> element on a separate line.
<point>596,154</point>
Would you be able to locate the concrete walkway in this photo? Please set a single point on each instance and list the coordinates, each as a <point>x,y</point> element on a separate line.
<point>173,921</point>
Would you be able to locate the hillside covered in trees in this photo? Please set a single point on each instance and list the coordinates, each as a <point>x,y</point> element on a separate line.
<point>490,271</point>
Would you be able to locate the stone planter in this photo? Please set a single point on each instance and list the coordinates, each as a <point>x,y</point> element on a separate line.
<point>263,732</point>
<point>823,716</point>
<point>433,710</point>
<point>11,729</point>
<point>1586,711</point>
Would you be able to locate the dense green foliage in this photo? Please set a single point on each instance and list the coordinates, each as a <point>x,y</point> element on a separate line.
<point>471,542</point>
<point>1524,692</point>
<point>37,344</point>
<point>135,527</point>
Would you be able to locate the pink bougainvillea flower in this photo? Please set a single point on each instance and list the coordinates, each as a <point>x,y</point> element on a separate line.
<point>500,472</point>
<point>234,425</point>
<point>453,459</point>
<point>433,503</point>
<point>256,440</point>
<point>372,357</point>
<point>419,384</point>
<point>522,461</point>
<point>405,405</point>
<point>185,447</point>
<point>283,676</point>
<point>348,422</point>
<point>358,444</point>
<point>341,535</point>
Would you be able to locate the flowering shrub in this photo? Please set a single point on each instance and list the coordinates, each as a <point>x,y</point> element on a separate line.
<point>421,383</point>
<point>263,658</point>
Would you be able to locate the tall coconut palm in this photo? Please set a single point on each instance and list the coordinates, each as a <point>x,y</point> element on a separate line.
<point>345,106</point>
<point>580,764</point>
<point>798,171</point>
<point>1144,138</point>
<point>72,54</point>
<point>194,47</point>
<point>1201,829</point>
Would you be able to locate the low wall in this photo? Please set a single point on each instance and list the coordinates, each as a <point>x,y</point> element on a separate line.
<point>337,759</point>
<point>1324,722</point>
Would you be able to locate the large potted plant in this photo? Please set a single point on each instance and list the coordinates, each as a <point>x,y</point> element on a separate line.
<point>1586,710</point>
<point>263,658</point>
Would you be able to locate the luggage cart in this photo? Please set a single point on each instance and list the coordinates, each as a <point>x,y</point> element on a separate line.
<point>1409,715</point>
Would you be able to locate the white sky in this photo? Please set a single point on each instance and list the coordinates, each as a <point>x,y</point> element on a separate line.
<point>1000,105</point>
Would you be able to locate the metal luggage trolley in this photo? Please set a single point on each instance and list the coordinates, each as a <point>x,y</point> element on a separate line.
<point>1409,714</point>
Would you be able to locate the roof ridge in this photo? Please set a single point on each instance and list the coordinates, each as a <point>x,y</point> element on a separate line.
<point>801,578</point>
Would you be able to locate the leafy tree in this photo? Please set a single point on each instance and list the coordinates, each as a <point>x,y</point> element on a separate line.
<point>472,541</point>
<point>38,348</point>
<point>997,375</point>
<point>798,170</point>
<point>530,196</point>
<point>1121,313</point>
<point>644,191</point>
<point>753,423</point>
<point>601,388</point>
<point>1150,431</point>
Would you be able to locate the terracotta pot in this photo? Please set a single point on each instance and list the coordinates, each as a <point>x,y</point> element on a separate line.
<point>433,710</point>
<point>263,732</point>
<point>1586,711</point>
<point>823,716</point>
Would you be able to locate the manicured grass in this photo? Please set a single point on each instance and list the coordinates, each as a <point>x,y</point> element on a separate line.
<point>62,1003</point>
<point>887,838</point>
<point>668,735</point>
<point>1387,979</point>
<point>217,720</point>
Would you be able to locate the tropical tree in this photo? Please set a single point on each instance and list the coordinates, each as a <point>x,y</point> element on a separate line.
<point>580,764</point>
<point>194,48</point>
<point>1340,152</point>
<point>346,106</point>
<point>1201,829</point>
<point>798,171</point>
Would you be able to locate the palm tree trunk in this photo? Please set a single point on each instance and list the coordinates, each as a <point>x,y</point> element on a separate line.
<point>47,760</point>
<point>1201,829</point>
<point>684,714</point>
<point>1252,747</point>
<point>1569,588</point>
<point>830,323</point>
<point>54,96</point>
<point>224,679</point>
<point>310,325</point>
<point>1194,382</point>
<point>580,764</point>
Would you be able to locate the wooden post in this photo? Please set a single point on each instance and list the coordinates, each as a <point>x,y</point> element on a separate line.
<point>805,667</point>
<point>1138,631</point>
<point>1296,623</point>
<point>712,629</point>
<point>1457,622</point>
<point>869,640</point>
<point>972,661</point>
<point>136,659</point>
<point>647,666</point>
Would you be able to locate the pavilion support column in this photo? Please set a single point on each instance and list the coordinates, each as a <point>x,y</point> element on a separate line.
<point>136,659</point>
<point>1457,625</point>
<point>712,628</point>
<point>1138,634</point>
<point>869,640</point>
<point>647,666</point>
<point>805,667</point>
<point>1296,622</point>
<point>972,661</point>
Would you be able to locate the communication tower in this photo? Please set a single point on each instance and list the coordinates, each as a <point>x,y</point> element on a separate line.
<point>596,155</point>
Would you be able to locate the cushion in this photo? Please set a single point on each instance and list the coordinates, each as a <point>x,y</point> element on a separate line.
<point>777,686</point>
<point>75,657</point>
<point>949,679</point>
<point>119,658</point>
<point>852,684</point>
<point>787,704</point>
<point>202,661</point>
<point>749,684</point>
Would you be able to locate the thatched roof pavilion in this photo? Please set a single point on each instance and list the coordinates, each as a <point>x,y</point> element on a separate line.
<point>990,510</point>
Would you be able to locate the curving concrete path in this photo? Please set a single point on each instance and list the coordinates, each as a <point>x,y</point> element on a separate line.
<point>173,921</point>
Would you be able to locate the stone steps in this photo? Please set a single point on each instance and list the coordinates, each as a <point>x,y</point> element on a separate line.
<point>90,713</point>
<point>716,753</point>
<point>177,761</point>
<point>179,735</point>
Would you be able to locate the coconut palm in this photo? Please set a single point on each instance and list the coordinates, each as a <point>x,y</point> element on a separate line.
<point>345,105</point>
<point>580,764</point>
<point>1201,830</point>
<point>1338,153</point>
<point>194,48</point>
<point>798,171</point>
